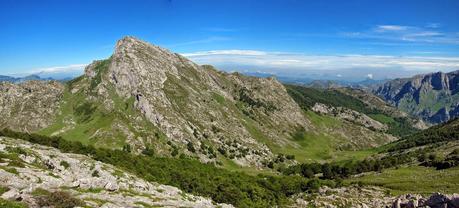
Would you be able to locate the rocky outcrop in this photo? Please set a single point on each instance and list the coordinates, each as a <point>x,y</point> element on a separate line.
<point>349,115</point>
<point>29,106</point>
<point>376,102</point>
<point>27,168</point>
<point>433,97</point>
<point>373,197</point>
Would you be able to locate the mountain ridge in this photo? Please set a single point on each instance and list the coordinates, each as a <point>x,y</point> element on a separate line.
<point>433,97</point>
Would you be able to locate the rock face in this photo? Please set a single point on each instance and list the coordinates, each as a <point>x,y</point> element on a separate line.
<point>97,184</point>
<point>29,106</point>
<point>160,97</point>
<point>349,115</point>
<point>378,103</point>
<point>433,97</point>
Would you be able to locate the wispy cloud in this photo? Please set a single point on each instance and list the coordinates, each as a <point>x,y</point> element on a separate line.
<point>220,29</point>
<point>295,62</point>
<point>433,25</point>
<point>226,52</point>
<point>385,28</point>
<point>202,41</point>
<point>402,33</point>
<point>59,69</point>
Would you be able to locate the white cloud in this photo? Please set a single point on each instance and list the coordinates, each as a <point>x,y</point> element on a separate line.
<point>302,62</point>
<point>433,25</point>
<point>384,28</point>
<point>370,76</point>
<point>226,52</point>
<point>60,69</point>
<point>401,34</point>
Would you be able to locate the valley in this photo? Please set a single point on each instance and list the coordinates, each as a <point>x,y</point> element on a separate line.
<point>148,119</point>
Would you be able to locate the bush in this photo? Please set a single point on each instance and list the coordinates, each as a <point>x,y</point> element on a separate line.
<point>58,199</point>
<point>95,173</point>
<point>64,164</point>
<point>190,147</point>
<point>148,151</point>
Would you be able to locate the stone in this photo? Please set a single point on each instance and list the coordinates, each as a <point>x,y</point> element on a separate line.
<point>79,181</point>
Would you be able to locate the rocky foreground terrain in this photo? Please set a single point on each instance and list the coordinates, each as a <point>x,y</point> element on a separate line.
<point>32,173</point>
<point>365,197</point>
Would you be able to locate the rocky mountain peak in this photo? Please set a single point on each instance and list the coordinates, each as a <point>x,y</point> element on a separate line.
<point>136,62</point>
<point>195,105</point>
<point>422,95</point>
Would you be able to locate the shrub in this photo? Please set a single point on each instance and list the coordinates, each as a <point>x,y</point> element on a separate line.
<point>64,164</point>
<point>190,147</point>
<point>95,173</point>
<point>58,199</point>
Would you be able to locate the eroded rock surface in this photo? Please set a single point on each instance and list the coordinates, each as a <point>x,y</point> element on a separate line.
<point>29,106</point>
<point>38,167</point>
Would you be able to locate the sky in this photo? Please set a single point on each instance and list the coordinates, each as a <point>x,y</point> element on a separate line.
<point>319,39</point>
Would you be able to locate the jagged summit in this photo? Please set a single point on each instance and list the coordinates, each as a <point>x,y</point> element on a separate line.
<point>193,106</point>
<point>433,96</point>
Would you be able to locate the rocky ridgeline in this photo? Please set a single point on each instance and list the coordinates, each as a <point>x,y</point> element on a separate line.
<point>349,115</point>
<point>433,97</point>
<point>29,106</point>
<point>28,169</point>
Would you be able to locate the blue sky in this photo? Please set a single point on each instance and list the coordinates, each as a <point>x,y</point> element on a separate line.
<point>350,39</point>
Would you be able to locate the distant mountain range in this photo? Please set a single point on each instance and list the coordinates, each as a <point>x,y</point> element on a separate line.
<point>11,79</point>
<point>433,97</point>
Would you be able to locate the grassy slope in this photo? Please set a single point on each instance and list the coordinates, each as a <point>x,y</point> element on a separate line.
<point>307,97</point>
<point>80,119</point>
<point>440,140</point>
<point>413,179</point>
<point>317,145</point>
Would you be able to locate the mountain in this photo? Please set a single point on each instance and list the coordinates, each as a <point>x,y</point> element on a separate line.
<point>353,104</point>
<point>146,116</point>
<point>7,79</point>
<point>23,79</point>
<point>148,99</point>
<point>29,106</point>
<point>326,84</point>
<point>433,97</point>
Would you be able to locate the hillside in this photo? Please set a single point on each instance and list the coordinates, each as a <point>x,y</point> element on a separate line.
<point>433,97</point>
<point>358,102</point>
<point>149,100</point>
<point>414,167</point>
<point>41,176</point>
<point>146,98</point>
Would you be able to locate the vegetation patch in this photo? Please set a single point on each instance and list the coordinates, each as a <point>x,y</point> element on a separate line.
<point>191,176</point>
